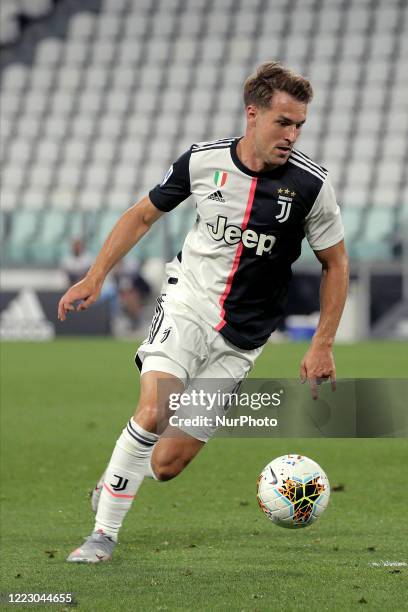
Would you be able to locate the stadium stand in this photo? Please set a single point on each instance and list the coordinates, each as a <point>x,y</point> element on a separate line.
<point>99,97</point>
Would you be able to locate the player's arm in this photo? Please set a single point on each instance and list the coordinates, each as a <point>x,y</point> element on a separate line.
<point>129,229</point>
<point>324,231</point>
<point>318,362</point>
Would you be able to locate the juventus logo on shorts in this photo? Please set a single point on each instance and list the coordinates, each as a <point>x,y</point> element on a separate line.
<point>166,334</point>
<point>121,484</point>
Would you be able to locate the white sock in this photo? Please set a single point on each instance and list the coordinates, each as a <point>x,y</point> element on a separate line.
<point>129,464</point>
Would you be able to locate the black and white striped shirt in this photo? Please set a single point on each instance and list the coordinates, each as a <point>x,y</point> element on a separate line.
<point>235,264</point>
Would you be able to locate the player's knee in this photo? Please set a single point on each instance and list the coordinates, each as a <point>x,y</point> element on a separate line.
<point>146,415</point>
<point>168,470</point>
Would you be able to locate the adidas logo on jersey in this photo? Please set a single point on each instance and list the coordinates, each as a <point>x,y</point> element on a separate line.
<point>217,195</point>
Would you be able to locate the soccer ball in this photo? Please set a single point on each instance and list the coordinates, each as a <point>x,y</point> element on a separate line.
<point>293,491</point>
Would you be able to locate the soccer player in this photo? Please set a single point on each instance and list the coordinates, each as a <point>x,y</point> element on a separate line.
<point>257,197</point>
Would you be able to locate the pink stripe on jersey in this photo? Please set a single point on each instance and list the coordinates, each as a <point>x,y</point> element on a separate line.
<point>238,254</point>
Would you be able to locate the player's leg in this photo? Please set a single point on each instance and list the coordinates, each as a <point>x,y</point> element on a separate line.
<point>130,461</point>
<point>174,350</point>
<point>129,464</point>
<point>173,452</point>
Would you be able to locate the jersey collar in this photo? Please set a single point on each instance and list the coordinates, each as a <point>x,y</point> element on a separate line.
<point>238,163</point>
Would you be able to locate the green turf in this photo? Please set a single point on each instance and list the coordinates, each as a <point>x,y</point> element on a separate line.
<point>198,542</point>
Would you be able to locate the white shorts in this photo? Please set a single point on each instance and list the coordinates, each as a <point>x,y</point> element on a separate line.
<point>182,344</point>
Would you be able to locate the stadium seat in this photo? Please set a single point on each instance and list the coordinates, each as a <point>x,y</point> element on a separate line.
<point>101,100</point>
<point>9,200</point>
<point>23,228</point>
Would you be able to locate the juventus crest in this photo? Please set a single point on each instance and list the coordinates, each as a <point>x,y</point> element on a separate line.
<point>285,198</point>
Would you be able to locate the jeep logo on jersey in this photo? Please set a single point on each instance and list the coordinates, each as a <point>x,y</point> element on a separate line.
<point>220,178</point>
<point>232,234</point>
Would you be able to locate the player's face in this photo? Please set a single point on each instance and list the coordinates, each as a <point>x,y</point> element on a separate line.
<point>276,129</point>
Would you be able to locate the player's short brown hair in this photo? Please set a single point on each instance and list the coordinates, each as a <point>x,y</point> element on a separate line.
<point>274,76</point>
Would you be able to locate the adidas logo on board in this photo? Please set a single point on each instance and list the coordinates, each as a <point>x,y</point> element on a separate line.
<point>24,319</point>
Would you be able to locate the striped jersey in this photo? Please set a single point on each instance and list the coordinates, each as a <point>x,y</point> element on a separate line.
<point>235,265</point>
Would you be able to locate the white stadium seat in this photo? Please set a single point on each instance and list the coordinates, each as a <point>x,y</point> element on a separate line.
<point>47,151</point>
<point>20,151</point>
<point>131,151</point>
<point>103,151</point>
<point>355,196</point>
<point>124,176</point>
<point>245,22</point>
<point>90,198</point>
<point>13,176</point>
<point>359,173</point>
<point>301,21</point>
<point>62,103</point>
<point>108,26</point>
<point>135,26</point>
<point>201,100</point>
<point>75,52</point>
<point>82,26</point>
<point>110,127</point>
<point>41,78</point>
<point>129,52</point>
<point>328,19</point>
<point>97,78</point>
<point>103,52</point>
<point>68,176</point>
<point>68,78</point>
<point>385,197</point>
<point>41,176</point>
<point>35,8</point>
<point>28,127</point>
<point>158,52</point>
<point>10,102</point>
<point>120,198</point>
<point>49,51</point>
<point>90,101</point>
<point>184,49</point>
<point>36,102</point>
<point>34,199</point>
<point>382,45</point>
<point>62,198</point>
<point>112,94</point>
<point>116,102</point>
<point>386,18</point>
<point>82,128</point>
<point>96,175</point>
<point>9,199</point>
<point>114,6</point>
<point>15,77</point>
<point>75,151</point>
<point>163,28</point>
<point>123,78</point>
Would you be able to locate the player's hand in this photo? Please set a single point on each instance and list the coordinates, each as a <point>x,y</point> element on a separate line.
<point>318,365</point>
<point>86,291</point>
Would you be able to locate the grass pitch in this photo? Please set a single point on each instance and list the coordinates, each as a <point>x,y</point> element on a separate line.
<point>198,542</point>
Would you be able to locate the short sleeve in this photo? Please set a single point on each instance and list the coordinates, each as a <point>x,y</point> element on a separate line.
<point>323,225</point>
<point>175,186</point>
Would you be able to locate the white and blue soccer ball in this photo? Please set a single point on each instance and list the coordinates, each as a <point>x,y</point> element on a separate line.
<point>293,491</point>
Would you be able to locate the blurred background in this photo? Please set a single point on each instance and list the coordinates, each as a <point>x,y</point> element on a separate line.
<point>98,97</point>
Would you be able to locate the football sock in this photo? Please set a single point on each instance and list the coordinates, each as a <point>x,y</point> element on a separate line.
<point>129,464</point>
